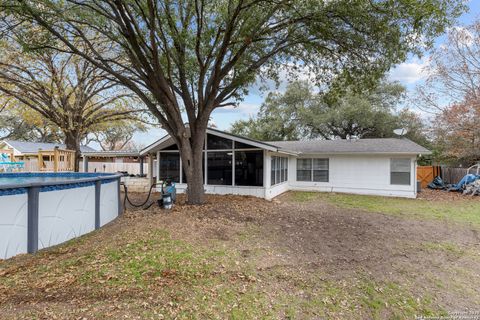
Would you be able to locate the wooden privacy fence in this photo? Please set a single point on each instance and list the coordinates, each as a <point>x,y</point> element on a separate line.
<point>425,174</point>
<point>453,175</point>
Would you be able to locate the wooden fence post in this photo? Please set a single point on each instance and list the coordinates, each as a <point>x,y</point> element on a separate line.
<point>40,160</point>
<point>56,159</point>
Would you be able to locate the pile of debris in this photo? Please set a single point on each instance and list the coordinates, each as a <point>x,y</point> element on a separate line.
<point>469,184</point>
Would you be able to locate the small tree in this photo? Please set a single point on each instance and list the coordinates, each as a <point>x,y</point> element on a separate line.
<point>457,133</point>
<point>189,57</point>
<point>67,91</point>
<point>453,73</point>
<point>451,93</point>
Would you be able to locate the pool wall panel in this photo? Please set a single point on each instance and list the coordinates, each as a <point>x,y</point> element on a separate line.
<point>13,226</point>
<point>65,214</point>
<point>108,202</point>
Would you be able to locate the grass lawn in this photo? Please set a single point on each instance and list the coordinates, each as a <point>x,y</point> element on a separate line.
<point>301,256</point>
<point>466,210</point>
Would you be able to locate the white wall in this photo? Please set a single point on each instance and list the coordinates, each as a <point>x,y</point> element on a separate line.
<point>214,189</point>
<point>13,226</point>
<point>112,167</point>
<point>65,214</point>
<point>360,174</point>
<point>108,202</point>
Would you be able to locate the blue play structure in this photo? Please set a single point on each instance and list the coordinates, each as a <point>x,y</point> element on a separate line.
<point>6,165</point>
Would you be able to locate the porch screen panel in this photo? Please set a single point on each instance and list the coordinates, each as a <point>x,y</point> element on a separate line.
<point>249,168</point>
<point>400,171</point>
<point>219,165</point>
<point>169,166</point>
<point>218,143</point>
<point>184,176</point>
<point>241,145</point>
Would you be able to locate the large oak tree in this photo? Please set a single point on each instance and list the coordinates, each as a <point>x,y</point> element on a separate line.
<point>65,90</point>
<point>185,58</point>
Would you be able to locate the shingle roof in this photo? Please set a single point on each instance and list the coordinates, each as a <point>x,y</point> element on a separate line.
<point>384,145</point>
<point>112,153</point>
<point>32,147</point>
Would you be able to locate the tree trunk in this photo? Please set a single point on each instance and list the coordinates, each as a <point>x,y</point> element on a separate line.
<point>72,142</point>
<point>191,150</point>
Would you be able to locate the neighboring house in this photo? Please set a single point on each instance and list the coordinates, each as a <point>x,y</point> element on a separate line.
<point>239,165</point>
<point>25,150</point>
<point>113,161</point>
<point>113,156</point>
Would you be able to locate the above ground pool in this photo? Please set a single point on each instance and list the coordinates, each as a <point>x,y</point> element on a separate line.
<point>39,210</point>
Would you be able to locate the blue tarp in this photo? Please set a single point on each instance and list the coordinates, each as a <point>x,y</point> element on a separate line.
<point>469,178</point>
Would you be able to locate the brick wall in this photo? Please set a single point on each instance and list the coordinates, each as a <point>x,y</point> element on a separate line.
<point>135,184</point>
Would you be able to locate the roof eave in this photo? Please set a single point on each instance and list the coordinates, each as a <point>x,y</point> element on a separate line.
<point>253,142</point>
<point>366,152</point>
<point>152,146</point>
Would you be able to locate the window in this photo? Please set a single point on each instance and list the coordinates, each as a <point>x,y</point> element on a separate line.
<point>316,170</point>
<point>304,169</point>
<point>279,170</point>
<point>400,171</point>
<point>216,143</point>
<point>219,168</point>
<point>320,170</point>
<point>169,166</point>
<point>249,168</point>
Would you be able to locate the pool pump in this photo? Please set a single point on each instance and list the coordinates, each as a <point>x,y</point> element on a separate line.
<point>168,195</point>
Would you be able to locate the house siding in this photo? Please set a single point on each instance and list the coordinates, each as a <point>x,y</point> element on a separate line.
<point>359,174</point>
<point>356,174</point>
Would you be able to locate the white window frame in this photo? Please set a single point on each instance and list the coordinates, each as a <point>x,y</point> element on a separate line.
<point>278,170</point>
<point>409,171</point>
<point>312,170</point>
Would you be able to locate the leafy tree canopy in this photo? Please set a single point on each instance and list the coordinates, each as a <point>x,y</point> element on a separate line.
<point>26,125</point>
<point>299,113</point>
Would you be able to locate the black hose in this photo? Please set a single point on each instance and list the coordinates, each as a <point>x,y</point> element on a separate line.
<point>134,204</point>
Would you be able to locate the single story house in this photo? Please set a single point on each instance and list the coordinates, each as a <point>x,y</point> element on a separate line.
<point>239,165</point>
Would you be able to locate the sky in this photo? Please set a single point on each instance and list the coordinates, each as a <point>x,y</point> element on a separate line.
<point>409,73</point>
